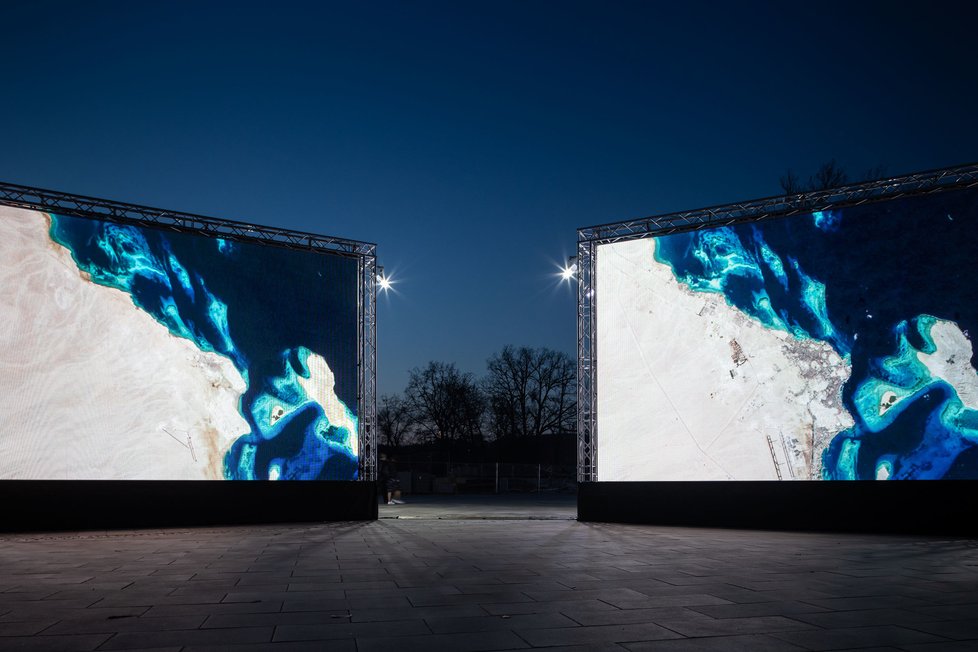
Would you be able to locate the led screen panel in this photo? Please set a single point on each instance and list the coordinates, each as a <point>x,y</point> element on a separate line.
<point>130,352</point>
<point>832,345</point>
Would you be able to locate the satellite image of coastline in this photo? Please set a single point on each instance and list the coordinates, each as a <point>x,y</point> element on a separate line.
<point>136,353</point>
<point>829,346</point>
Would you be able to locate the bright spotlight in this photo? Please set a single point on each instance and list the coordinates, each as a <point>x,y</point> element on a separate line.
<point>570,269</point>
<point>382,280</point>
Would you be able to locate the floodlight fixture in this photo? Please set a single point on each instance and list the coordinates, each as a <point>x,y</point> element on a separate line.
<point>570,270</point>
<point>382,280</point>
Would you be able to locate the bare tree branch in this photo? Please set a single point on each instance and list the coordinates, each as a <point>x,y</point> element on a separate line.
<point>530,392</point>
<point>394,419</point>
<point>446,403</point>
<point>791,184</point>
<point>829,175</point>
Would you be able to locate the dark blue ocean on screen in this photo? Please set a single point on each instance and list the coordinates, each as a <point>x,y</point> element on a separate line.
<point>265,308</point>
<point>876,282</point>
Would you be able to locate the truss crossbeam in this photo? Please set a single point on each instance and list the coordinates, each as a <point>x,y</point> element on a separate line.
<point>52,201</point>
<point>870,191</point>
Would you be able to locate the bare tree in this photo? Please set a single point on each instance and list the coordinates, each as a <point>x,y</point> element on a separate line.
<point>531,392</point>
<point>447,404</point>
<point>874,173</point>
<point>791,184</point>
<point>394,419</point>
<point>829,175</point>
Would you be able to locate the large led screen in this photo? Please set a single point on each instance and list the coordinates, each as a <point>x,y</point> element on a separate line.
<point>827,346</point>
<point>130,352</point>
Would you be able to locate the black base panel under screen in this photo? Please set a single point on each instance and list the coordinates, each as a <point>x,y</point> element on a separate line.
<point>47,505</point>
<point>943,507</point>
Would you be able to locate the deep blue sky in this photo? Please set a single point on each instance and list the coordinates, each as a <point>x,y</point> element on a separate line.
<point>470,139</point>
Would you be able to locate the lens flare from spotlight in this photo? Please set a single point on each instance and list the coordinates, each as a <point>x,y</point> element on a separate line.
<point>569,272</point>
<point>384,283</point>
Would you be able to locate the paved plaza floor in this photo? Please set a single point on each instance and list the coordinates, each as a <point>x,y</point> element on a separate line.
<point>502,582</point>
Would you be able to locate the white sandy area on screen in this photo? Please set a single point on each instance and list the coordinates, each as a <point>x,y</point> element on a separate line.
<point>952,361</point>
<point>320,387</point>
<point>91,387</point>
<point>678,400</point>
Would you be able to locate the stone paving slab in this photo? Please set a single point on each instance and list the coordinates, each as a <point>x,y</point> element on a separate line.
<point>485,584</point>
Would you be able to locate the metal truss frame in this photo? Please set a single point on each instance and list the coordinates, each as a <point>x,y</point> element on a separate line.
<point>367,364</point>
<point>62,203</point>
<point>590,238</point>
<point>587,375</point>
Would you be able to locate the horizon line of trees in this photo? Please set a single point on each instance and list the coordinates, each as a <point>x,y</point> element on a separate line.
<point>828,175</point>
<point>525,392</point>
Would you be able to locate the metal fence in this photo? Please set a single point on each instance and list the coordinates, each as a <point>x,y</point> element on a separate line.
<point>484,477</point>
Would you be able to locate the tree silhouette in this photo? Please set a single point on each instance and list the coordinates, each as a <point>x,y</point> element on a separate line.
<point>394,419</point>
<point>829,175</point>
<point>531,392</point>
<point>446,404</point>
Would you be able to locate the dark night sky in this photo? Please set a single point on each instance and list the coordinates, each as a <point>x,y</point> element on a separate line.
<point>470,139</point>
